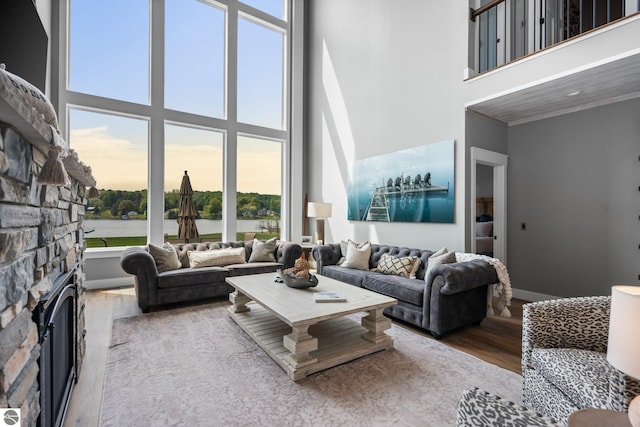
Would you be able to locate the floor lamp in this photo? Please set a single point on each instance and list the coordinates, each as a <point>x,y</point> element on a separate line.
<point>623,351</point>
<point>319,211</point>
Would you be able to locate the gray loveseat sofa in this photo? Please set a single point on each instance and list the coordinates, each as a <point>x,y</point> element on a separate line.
<point>189,284</point>
<point>451,297</point>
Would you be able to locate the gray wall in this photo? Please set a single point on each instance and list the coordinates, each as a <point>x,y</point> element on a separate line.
<point>488,134</point>
<point>383,76</point>
<point>574,181</point>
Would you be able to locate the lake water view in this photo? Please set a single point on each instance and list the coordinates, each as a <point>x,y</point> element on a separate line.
<point>134,227</point>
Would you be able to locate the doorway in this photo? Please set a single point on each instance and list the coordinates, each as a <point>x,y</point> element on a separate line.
<point>488,205</point>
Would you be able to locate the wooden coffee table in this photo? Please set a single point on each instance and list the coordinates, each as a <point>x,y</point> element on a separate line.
<point>304,336</point>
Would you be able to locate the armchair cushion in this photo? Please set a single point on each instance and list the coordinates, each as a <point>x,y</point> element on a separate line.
<point>564,367</point>
<point>582,375</point>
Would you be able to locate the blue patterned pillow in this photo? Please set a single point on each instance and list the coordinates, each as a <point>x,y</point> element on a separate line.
<point>400,266</point>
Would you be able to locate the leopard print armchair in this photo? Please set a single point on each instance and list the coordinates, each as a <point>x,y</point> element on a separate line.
<point>564,364</point>
<point>480,408</point>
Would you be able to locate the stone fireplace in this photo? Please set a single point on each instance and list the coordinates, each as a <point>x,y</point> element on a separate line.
<point>41,270</point>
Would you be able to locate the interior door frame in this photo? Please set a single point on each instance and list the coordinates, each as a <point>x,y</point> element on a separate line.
<point>498,162</point>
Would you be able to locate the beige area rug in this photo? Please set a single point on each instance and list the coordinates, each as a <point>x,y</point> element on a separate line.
<point>195,367</point>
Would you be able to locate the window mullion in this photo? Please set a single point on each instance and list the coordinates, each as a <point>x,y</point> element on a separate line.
<point>230,155</point>
<point>155,201</point>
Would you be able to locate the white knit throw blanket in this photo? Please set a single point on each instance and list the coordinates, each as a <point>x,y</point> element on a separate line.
<point>501,289</point>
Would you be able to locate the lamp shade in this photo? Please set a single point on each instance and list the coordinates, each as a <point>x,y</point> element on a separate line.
<point>624,330</point>
<point>318,210</point>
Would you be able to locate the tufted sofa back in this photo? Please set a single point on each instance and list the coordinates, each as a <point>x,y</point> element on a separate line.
<point>378,250</point>
<point>332,253</point>
<point>183,248</point>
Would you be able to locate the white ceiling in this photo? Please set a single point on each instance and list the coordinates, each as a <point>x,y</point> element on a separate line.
<point>603,84</point>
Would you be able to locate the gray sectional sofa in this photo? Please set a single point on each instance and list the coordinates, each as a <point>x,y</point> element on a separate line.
<point>451,297</point>
<point>155,288</point>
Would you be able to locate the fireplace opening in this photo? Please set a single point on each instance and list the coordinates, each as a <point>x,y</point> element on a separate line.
<point>55,316</point>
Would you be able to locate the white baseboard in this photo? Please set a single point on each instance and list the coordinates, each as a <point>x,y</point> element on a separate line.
<point>118,282</point>
<point>531,296</point>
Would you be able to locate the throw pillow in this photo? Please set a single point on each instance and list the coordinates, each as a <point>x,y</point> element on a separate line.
<point>263,251</point>
<point>446,258</point>
<point>32,96</point>
<point>216,257</point>
<point>400,266</point>
<point>439,252</point>
<point>357,257</point>
<point>165,256</point>
<point>343,250</point>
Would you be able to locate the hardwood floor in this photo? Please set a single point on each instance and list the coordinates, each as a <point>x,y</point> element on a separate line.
<point>497,340</point>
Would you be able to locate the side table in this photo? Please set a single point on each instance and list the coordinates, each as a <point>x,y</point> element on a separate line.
<point>598,418</point>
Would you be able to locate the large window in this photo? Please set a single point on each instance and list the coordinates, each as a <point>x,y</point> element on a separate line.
<point>173,86</point>
<point>194,58</point>
<point>116,148</point>
<point>109,49</point>
<point>198,152</point>
<point>260,71</point>
<point>259,185</point>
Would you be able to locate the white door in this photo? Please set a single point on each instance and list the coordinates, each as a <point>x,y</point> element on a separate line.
<point>498,162</point>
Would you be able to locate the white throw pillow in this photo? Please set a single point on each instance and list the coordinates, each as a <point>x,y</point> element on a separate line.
<point>357,257</point>
<point>439,252</point>
<point>166,257</point>
<point>344,244</point>
<point>216,257</point>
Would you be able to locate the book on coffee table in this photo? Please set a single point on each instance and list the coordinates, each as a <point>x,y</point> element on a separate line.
<point>328,297</point>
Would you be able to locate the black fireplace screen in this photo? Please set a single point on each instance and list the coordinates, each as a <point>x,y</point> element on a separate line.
<point>56,320</point>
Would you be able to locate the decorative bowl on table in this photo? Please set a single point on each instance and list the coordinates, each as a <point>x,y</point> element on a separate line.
<point>298,282</point>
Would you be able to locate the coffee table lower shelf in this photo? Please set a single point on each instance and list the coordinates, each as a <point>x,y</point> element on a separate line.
<point>340,340</point>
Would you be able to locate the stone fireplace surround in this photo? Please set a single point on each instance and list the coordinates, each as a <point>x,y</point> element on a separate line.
<point>41,241</point>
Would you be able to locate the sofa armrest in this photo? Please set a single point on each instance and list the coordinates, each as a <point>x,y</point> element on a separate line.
<point>581,323</point>
<point>139,262</point>
<point>328,254</point>
<point>449,279</point>
<point>287,253</point>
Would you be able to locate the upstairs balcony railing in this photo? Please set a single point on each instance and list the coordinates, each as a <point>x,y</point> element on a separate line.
<point>506,30</point>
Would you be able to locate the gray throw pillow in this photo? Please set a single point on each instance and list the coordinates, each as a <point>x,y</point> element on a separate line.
<point>263,251</point>
<point>446,258</point>
<point>166,257</point>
